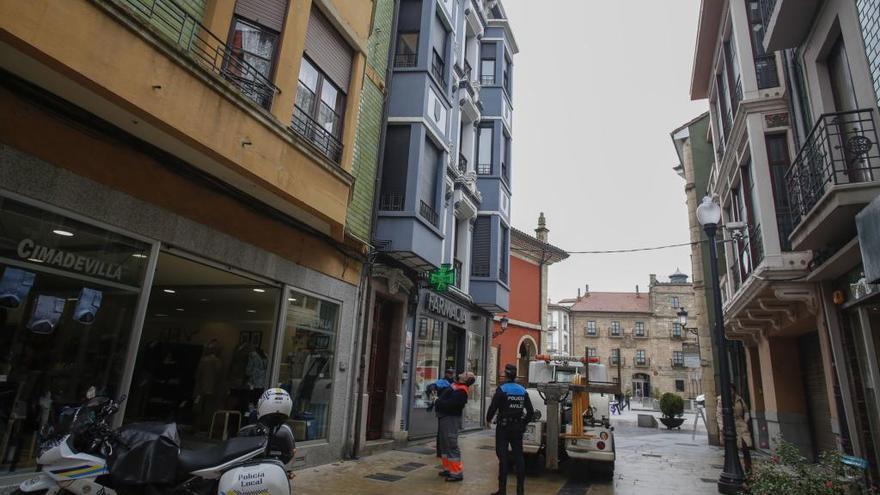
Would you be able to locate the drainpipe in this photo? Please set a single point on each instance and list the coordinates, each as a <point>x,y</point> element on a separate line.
<point>362,365</point>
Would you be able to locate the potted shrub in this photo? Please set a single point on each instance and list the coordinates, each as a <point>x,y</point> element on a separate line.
<point>672,407</point>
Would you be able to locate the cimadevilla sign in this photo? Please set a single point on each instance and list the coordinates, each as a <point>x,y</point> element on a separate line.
<point>30,250</point>
<point>441,306</point>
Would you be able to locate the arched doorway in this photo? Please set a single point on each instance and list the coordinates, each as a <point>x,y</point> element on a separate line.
<point>641,385</point>
<point>527,352</point>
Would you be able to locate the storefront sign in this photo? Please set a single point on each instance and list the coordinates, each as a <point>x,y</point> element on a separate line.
<point>441,306</point>
<point>30,250</point>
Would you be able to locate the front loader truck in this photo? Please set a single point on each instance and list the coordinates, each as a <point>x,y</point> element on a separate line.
<point>572,423</point>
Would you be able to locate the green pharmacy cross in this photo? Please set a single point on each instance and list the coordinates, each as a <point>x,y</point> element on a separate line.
<point>442,277</point>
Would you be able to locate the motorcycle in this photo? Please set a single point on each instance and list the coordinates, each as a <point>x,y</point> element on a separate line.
<point>81,454</point>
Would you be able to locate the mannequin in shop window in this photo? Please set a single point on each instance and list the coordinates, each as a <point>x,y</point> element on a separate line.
<point>207,379</point>
<point>256,369</point>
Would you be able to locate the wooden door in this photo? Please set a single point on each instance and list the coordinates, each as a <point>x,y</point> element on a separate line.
<point>377,382</point>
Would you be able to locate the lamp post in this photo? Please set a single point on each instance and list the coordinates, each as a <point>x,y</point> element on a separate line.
<point>732,477</point>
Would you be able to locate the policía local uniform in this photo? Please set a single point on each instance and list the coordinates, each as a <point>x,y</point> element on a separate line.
<point>515,411</point>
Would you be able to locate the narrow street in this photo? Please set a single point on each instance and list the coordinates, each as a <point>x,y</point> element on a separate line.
<point>649,461</point>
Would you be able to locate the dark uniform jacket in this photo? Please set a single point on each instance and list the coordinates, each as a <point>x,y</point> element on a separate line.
<point>452,400</point>
<point>512,404</point>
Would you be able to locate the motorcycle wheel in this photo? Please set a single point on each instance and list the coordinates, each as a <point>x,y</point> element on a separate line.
<point>41,492</point>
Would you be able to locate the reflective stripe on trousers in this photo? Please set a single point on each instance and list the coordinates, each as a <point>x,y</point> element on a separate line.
<point>449,426</point>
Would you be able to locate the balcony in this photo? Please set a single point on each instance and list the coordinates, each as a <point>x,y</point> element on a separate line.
<point>641,363</point>
<point>677,363</point>
<point>765,71</point>
<point>406,60</point>
<point>391,201</point>
<point>591,333</point>
<point>835,174</point>
<point>615,332</point>
<point>462,164</point>
<point>787,22</point>
<point>190,36</point>
<point>615,360</point>
<point>427,212</point>
<point>307,127</point>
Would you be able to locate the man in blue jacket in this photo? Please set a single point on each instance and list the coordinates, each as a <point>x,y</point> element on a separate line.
<point>449,408</point>
<point>515,411</point>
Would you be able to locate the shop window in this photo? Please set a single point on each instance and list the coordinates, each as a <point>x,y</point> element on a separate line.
<point>308,362</point>
<point>68,294</point>
<point>429,334</point>
<point>476,365</point>
<point>204,353</point>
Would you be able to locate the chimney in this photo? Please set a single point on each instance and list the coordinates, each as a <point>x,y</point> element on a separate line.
<point>579,293</point>
<point>653,277</point>
<point>637,290</point>
<point>541,233</point>
<point>587,289</point>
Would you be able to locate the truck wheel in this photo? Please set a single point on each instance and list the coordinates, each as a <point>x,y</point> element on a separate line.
<point>603,470</point>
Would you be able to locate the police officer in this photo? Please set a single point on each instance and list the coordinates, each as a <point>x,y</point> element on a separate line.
<point>515,411</point>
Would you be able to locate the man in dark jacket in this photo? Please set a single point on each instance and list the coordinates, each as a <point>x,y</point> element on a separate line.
<point>515,411</point>
<point>435,390</point>
<point>449,407</point>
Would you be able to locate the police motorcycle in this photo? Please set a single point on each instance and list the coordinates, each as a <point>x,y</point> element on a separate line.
<point>81,454</point>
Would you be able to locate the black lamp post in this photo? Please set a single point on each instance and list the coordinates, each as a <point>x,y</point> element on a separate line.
<point>732,477</point>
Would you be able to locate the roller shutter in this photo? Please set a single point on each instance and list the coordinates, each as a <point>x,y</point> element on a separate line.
<point>481,246</point>
<point>268,13</point>
<point>328,50</point>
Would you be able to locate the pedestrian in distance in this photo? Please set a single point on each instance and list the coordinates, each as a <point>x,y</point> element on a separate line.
<point>449,407</point>
<point>434,391</point>
<point>515,411</point>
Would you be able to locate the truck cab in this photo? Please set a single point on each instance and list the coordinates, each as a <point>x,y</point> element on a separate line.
<point>591,393</point>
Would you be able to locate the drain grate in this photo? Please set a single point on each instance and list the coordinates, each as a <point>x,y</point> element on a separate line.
<point>652,455</point>
<point>409,466</point>
<point>385,477</point>
<point>574,487</point>
<point>486,447</point>
<point>708,480</point>
<point>688,444</point>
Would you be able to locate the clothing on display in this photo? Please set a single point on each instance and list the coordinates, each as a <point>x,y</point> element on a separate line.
<point>256,369</point>
<point>47,313</point>
<point>87,306</point>
<point>15,286</point>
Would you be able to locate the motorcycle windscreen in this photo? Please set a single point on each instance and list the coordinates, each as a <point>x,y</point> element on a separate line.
<point>146,455</point>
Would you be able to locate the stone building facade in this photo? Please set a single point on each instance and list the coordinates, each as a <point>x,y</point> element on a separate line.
<point>639,330</point>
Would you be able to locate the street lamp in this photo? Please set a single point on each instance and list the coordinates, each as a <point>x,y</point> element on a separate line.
<point>731,479</point>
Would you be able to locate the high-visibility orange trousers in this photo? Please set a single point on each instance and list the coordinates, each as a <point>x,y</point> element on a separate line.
<point>449,426</point>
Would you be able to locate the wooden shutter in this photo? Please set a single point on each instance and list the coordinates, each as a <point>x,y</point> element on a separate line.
<point>481,246</point>
<point>328,50</point>
<point>269,13</point>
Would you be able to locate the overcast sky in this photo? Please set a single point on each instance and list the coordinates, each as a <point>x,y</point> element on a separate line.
<point>598,87</point>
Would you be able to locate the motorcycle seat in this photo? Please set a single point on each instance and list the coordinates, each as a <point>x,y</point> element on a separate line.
<point>230,450</point>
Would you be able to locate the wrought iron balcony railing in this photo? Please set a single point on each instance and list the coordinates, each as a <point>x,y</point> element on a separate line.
<point>767,7</point>
<point>487,79</point>
<point>484,168</point>
<point>615,332</point>
<point>677,363</point>
<point>307,127</point>
<point>206,49</point>
<point>591,332</point>
<point>765,71</point>
<point>391,201</point>
<point>615,360</point>
<point>438,67</point>
<point>462,163</point>
<point>479,268</point>
<point>427,212</point>
<point>641,363</point>
<point>406,59</point>
<point>842,148</point>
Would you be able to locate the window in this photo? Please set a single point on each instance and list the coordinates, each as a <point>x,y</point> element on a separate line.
<point>393,193</point>
<point>505,77</point>
<point>641,360</point>
<point>254,45</point>
<point>308,362</point>
<point>591,328</point>
<point>591,352</point>
<point>481,246</point>
<point>505,254</point>
<point>615,356</point>
<point>679,385</point>
<point>777,158</point>
<point>317,115</point>
<point>673,300</point>
<point>408,25</point>
<point>487,64</point>
<point>505,158</point>
<point>677,359</point>
<point>428,182</point>
<point>438,44</point>
<point>640,329</point>
<point>407,54</point>
<point>676,330</point>
<point>484,149</point>
<point>615,328</point>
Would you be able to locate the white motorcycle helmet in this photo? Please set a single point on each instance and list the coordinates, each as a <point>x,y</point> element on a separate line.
<point>274,407</point>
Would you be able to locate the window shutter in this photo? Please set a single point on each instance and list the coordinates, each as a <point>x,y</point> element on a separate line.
<point>428,176</point>
<point>482,246</point>
<point>328,50</point>
<point>438,37</point>
<point>269,13</point>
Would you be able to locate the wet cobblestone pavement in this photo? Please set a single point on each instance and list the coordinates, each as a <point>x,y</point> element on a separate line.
<point>650,461</point>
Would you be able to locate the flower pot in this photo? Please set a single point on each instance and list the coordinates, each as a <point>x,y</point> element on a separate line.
<point>672,422</point>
